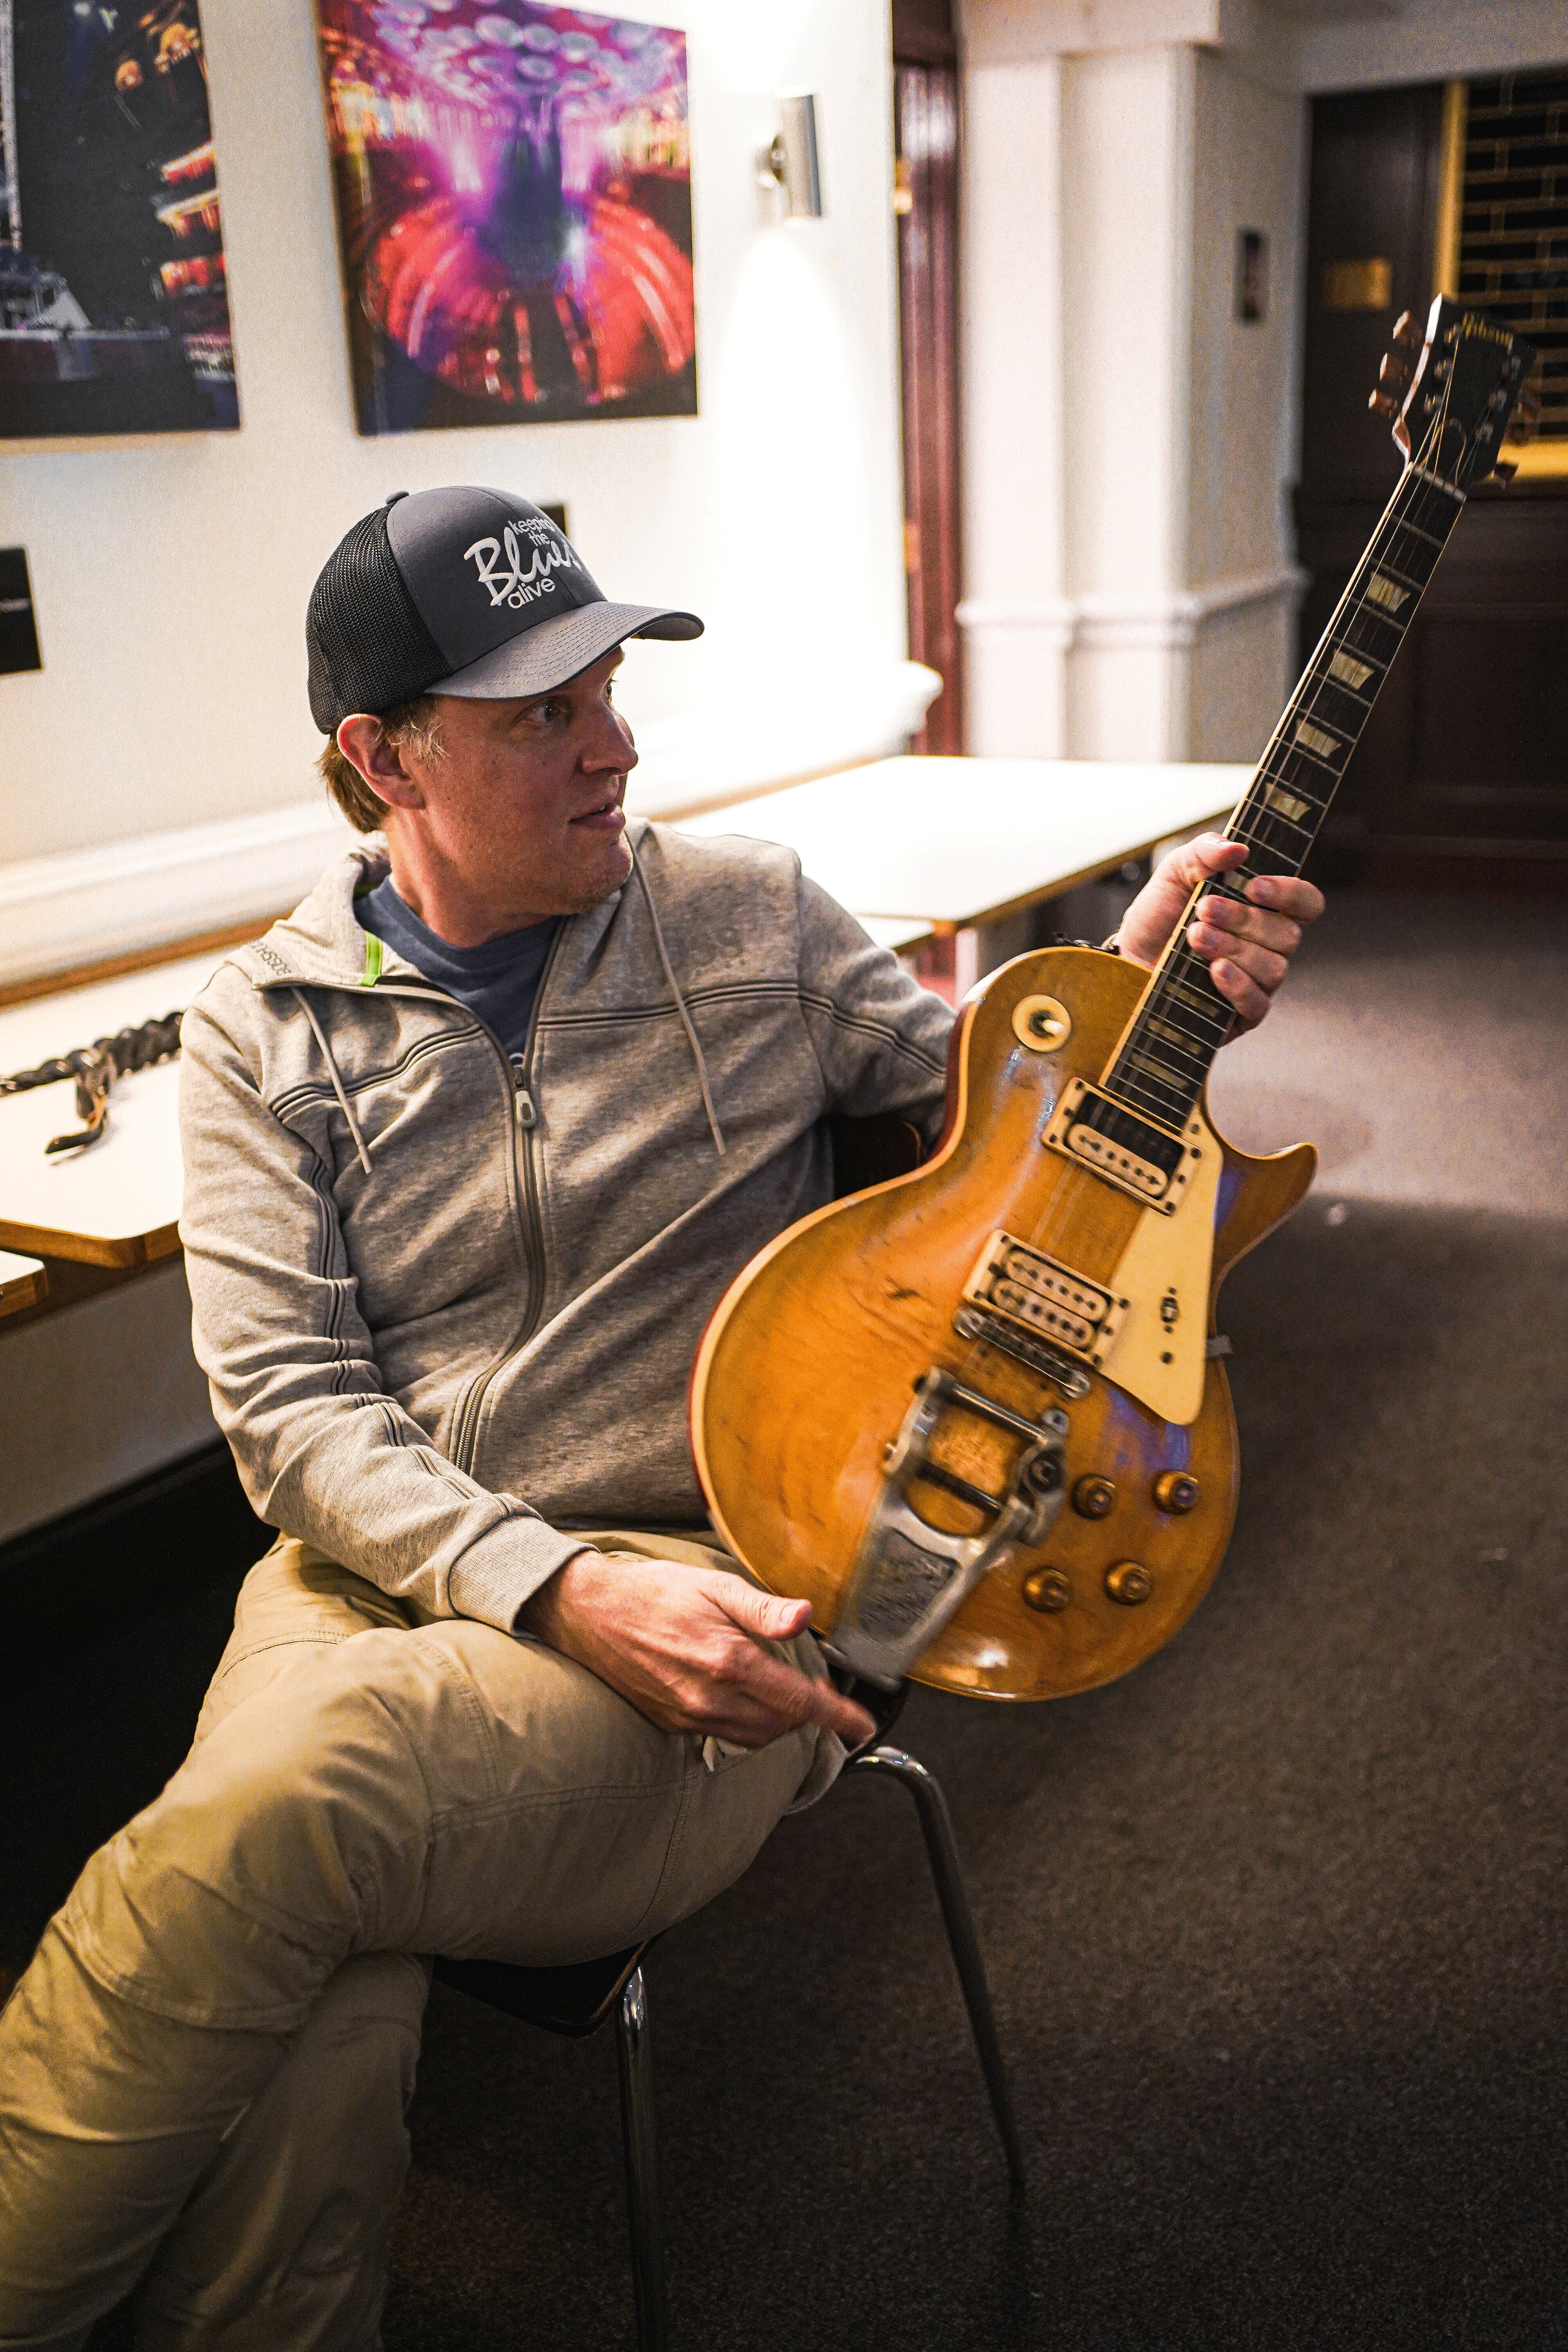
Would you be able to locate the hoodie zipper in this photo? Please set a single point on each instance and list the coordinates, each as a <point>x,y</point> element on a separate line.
<point>525,1128</point>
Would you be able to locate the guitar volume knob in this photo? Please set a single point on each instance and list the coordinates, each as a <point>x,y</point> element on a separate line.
<point>1176,1491</point>
<point>1046,1590</point>
<point>1129,1582</point>
<point>1094,1498</point>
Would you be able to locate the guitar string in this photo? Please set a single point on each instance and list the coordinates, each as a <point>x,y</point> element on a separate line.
<point>1074,1183</point>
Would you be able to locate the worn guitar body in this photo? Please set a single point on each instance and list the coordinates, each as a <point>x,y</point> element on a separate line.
<point>807,1374</point>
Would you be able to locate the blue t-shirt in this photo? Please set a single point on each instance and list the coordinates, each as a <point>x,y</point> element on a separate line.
<point>498,981</point>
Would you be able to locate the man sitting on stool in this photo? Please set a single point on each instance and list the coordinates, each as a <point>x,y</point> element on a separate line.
<point>474,1142</point>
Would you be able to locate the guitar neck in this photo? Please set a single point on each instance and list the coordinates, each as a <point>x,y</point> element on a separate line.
<point>1182,1019</point>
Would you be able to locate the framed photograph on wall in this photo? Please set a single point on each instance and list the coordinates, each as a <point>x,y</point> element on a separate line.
<point>513,190</point>
<point>113,292</point>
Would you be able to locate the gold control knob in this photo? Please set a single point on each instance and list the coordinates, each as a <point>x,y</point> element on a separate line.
<point>1048,1590</point>
<point>1094,1498</point>
<point>1129,1582</point>
<point>1176,1491</point>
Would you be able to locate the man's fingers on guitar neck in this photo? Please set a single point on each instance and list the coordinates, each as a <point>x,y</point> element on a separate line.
<point>1234,985</point>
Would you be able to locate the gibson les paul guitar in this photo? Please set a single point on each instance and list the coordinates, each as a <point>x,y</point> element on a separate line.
<point>975,1415</point>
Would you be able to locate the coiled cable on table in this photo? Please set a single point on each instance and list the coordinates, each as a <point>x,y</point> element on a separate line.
<point>95,1069</point>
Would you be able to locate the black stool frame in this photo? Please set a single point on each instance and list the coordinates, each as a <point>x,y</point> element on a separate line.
<point>578,2001</point>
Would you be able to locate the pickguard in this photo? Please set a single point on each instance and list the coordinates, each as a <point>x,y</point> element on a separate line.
<point>1160,1353</point>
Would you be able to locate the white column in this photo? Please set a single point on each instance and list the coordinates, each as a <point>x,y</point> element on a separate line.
<point>1127,175</point>
<point>1016,622</point>
<point>1129,592</point>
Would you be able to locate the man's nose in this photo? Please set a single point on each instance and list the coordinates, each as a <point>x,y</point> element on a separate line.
<point>610,744</point>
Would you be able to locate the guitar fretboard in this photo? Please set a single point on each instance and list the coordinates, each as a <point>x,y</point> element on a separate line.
<point>1183,1018</point>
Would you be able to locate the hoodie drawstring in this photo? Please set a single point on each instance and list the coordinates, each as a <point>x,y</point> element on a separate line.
<point>691,1037</point>
<point>321,1038</point>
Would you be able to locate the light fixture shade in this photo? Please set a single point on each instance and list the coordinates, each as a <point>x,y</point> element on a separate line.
<point>800,177</point>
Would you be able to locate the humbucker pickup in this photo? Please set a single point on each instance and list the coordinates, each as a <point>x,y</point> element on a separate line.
<point>1149,1162</point>
<point>1020,1284</point>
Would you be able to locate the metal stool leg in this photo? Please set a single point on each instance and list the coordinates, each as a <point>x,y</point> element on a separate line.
<point>932,1806</point>
<point>640,2139</point>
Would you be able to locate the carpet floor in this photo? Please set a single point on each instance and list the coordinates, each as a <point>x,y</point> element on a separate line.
<point>1274,1925</point>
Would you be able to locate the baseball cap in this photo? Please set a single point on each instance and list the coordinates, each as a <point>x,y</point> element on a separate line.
<point>466,592</point>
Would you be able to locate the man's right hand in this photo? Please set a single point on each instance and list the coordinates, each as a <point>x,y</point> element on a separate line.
<point>684,1646</point>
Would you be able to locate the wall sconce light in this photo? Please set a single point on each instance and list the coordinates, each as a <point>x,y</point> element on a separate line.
<point>791,162</point>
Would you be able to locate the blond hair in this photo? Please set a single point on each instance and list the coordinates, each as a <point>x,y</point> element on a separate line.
<point>416,723</point>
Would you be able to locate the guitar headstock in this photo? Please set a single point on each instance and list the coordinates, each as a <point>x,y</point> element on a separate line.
<point>1454,390</point>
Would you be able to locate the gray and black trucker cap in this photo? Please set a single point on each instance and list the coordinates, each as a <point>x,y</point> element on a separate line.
<point>466,592</point>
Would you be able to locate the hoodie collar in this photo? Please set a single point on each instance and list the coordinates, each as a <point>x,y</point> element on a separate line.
<point>322,943</point>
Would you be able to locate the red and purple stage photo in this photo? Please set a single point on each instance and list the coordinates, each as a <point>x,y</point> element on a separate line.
<point>514,200</point>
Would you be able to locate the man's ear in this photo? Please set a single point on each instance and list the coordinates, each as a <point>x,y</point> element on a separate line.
<point>371,753</point>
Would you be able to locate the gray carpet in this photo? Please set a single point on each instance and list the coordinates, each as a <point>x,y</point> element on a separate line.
<point>1274,1925</point>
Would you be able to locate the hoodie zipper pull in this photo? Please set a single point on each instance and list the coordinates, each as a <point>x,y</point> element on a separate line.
<point>523,1105</point>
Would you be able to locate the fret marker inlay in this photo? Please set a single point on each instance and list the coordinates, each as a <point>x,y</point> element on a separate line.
<point>1387,593</point>
<point>1348,670</point>
<point>1287,802</point>
<point>1313,738</point>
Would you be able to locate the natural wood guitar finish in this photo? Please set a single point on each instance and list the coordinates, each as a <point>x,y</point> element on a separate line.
<point>806,1370</point>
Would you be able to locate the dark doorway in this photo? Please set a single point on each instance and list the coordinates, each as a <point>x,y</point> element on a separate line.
<point>925,125</point>
<point>1462,774</point>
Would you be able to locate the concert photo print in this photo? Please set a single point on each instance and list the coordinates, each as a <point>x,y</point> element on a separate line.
<point>113,290</point>
<point>514,205</point>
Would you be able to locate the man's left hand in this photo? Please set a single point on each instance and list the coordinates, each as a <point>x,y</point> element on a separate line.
<point>1247,949</point>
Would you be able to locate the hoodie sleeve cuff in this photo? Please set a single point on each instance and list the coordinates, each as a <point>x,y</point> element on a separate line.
<point>506,1567</point>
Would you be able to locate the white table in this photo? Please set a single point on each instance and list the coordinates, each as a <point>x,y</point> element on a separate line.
<point>117,1204</point>
<point>957,844</point>
<point>911,847</point>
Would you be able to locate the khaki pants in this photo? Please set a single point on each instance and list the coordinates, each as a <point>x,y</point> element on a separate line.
<point>203,2073</point>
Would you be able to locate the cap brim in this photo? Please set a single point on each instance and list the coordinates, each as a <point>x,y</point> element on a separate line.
<point>552,651</point>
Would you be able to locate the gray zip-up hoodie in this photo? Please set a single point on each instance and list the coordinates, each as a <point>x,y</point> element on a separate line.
<point>448,1310</point>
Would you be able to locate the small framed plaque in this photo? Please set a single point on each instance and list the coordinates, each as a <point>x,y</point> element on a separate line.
<point>18,628</point>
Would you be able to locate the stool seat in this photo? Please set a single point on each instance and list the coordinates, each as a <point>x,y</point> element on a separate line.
<point>574,2000</point>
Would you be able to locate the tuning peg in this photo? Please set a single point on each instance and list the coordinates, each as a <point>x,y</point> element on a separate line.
<point>1503,472</point>
<point>1528,405</point>
<point>1407,329</point>
<point>1522,430</point>
<point>1394,370</point>
<point>1384,406</point>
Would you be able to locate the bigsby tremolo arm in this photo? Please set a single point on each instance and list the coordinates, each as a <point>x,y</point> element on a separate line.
<point>908,1577</point>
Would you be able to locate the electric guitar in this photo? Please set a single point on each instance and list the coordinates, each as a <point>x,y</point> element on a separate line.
<point>976,1415</point>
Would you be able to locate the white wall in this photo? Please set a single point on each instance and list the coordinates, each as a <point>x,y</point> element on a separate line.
<point>171,576</point>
